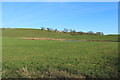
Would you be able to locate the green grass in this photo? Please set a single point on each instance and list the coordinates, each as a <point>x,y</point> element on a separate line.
<point>45,58</point>
<point>45,34</point>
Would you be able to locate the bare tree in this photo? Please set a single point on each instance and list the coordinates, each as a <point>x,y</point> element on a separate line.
<point>72,31</point>
<point>65,30</point>
<point>42,28</point>
<point>99,33</point>
<point>49,29</point>
<point>90,32</point>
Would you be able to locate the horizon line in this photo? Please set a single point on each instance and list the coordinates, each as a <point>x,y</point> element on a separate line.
<point>62,29</point>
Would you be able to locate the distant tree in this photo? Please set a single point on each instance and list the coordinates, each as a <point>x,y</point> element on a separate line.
<point>49,29</point>
<point>81,33</point>
<point>55,30</point>
<point>99,33</point>
<point>42,28</point>
<point>65,30</point>
<point>72,31</point>
<point>90,32</point>
<point>85,33</point>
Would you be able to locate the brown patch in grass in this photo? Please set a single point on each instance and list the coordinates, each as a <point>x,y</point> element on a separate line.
<point>68,39</point>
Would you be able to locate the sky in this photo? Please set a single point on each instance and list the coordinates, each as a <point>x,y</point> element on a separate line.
<point>81,16</point>
<point>0,15</point>
<point>59,0</point>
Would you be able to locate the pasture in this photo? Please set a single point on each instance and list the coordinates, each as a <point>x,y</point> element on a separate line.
<point>57,59</point>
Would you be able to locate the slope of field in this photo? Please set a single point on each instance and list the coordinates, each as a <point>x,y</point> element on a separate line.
<point>52,59</point>
<point>46,34</point>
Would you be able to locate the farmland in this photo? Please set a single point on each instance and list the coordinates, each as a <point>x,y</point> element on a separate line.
<point>46,34</point>
<point>51,59</point>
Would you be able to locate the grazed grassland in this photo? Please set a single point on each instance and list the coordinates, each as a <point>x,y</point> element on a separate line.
<point>44,58</point>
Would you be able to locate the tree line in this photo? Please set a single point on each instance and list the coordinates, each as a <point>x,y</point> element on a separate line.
<point>72,31</point>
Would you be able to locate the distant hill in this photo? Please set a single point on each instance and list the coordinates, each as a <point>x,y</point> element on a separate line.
<point>20,32</point>
<point>113,35</point>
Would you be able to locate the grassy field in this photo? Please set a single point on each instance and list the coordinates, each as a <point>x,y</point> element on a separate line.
<point>51,59</point>
<point>46,34</point>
